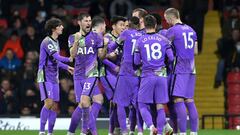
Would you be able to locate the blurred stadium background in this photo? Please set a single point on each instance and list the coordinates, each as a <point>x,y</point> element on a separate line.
<point>217,23</point>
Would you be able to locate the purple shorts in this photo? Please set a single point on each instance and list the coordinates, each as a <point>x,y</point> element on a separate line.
<point>126,90</point>
<point>183,85</point>
<point>109,83</point>
<point>90,87</point>
<point>78,87</point>
<point>49,90</point>
<point>153,89</point>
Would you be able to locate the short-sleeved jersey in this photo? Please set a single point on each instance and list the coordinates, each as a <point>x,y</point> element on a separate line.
<point>86,61</point>
<point>152,48</point>
<point>48,66</point>
<point>163,32</point>
<point>183,38</point>
<point>130,38</point>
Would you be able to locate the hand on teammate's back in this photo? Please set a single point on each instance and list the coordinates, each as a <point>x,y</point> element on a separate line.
<point>70,70</point>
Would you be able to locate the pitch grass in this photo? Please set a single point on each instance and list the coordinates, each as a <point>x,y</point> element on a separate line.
<point>104,132</point>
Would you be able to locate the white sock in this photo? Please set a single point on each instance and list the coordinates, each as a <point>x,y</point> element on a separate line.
<point>131,132</point>
<point>69,133</point>
<point>193,133</point>
<point>151,127</point>
<point>110,134</point>
<point>41,133</point>
<point>182,134</point>
<point>167,128</point>
<point>175,133</point>
<point>50,133</point>
<point>140,133</point>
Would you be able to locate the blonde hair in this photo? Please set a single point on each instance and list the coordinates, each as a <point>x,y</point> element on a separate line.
<point>173,12</point>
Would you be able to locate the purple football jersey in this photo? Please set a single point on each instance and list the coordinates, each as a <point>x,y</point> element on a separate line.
<point>48,66</point>
<point>110,65</point>
<point>153,49</point>
<point>130,38</point>
<point>86,61</point>
<point>163,32</point>
<point>183,38</point>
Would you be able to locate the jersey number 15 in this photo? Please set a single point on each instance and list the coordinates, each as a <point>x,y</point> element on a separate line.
<point>188,38</point>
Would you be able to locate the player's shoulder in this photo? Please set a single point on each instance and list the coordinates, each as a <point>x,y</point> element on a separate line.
<point>47,40</point>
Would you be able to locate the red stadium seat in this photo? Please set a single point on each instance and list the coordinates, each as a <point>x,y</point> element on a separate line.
<point>3,23</point>
<point>233,88</point>
<point>234,122</point>
<point>23,12</point>
<point>234,109</point>
<point>233,99</point>
<point>233,77</point>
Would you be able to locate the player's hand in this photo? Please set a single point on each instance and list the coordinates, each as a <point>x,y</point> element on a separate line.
<point>105,41</point>
<point>70,70</point>
<point>77,36</point>
<point>117,69</point>
<point>70,59</point>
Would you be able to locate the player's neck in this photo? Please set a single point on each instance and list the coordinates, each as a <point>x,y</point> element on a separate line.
<point>114,33</point>
<point>54,36</point>
<point>150,30</point>
<point>177,21</point>
<point>96,29</point>
<point>141,26</point>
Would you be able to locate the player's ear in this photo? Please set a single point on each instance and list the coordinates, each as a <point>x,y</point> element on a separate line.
<point>113,26</point>
<point>79,22</point>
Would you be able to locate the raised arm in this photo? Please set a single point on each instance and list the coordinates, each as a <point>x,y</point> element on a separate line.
<point>73,43</point>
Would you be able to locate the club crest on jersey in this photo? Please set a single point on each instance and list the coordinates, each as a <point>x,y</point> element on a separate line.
<point>85,50</point>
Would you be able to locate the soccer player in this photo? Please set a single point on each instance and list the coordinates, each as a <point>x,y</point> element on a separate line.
<point>112,64</point>
<point>185,43</point>
<point>93,49</point>
<point>128,81</point>
<point>76,51</point>
<point>140,13</point>
<point>152,49</point>
<point>49,62</point>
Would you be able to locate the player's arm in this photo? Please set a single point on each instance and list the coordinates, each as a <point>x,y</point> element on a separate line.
<point>60,58</point>
<point>196,48</point>
<point>66,67</point>
<point>137,56</point>
<point>111,65</point>
<point>74,43</point>
<point>102,48</point>
<point>170,55</point>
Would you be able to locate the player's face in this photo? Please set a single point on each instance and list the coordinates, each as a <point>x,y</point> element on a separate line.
<point>135,14</point>
<point>126,23</point>
<point>85,24</point>
<point>59,29</point>
<point>119,27</point>
<point>168,19</point>
<point>103,27</point>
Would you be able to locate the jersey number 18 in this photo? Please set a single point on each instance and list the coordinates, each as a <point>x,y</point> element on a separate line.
<point>153,52</point>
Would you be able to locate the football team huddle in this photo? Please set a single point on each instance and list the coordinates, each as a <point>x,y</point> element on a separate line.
<point>140,68</point>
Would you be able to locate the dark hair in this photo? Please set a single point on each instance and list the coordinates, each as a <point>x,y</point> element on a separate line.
<point>150,21</point>
<point>97,20</point>
<point>82,15</point>
<point>158,18</point>
<point>142,12</point>
<point>52,24</point>
<point>134,22</point>
<point>116,19</point>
